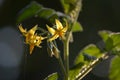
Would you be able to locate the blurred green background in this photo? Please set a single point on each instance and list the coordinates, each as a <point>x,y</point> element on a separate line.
<point>96,15</point>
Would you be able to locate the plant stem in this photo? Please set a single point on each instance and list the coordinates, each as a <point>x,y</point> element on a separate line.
<point>66,55</point>
<point>62,66</point>
<point>73,16</point>
<point>88,68</point>
<point>66,58</point>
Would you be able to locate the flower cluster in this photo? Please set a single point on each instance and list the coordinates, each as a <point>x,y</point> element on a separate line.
<point>33,39</point>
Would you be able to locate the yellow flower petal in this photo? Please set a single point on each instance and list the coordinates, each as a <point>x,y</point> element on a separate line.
<point>53,37</point>
<point>31,37</point>
<point>23,31</point>
<point>32,31</point>
<point>42,38</point>
<point>59,32</point>
<point>51,30</point>
<point>58,24</point>
<point>65,28</point>
<point>31,48</point>
<point>38,40</point>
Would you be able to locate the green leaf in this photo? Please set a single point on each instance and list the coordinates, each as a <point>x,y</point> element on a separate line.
<point>52,18</point>
<point>79,59</point>
<point>65,5</point>
<point>36,10</point>
<point>77,27</point>
<point>53,76</point>
<point>45,13</point>
<point>104,35</point>
<point>74,71</point>
<point>69,5</point>
<point>116,43</point>
<point>112,41</point>
<point>109,44</point>
<point>90,51</point>
<point>116,38</point>
<point>84,59</point>
<point>29,11</point>
<point>116,51</point>
<point>115,69</point>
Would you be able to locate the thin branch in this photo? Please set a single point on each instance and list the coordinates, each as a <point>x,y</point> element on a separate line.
<point>87,69</point>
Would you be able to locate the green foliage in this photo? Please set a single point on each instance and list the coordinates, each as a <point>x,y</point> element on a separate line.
<point>90,51</point>
<point>109,44</point>
<point>83,59</point>
<point>53,76</point>
<point>115,69</point>
<point>34,9</point>
<point>29,11</point>
<point>116,39</point>
<point>68,5</point>
<point>112,41</point>
<point>87,55</point>
<point>116,43</point>
<point>74,71</point>
<point>104,35</point>
<point>77,27</point>
<point>45,13</point>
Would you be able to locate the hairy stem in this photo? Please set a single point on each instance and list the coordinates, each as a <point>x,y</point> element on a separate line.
<point>66,58</point>
<point>88,68</point>
<point>62,66</point>
<point>74,13</point>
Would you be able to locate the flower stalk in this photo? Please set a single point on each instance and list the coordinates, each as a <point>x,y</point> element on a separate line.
<point>66,57</point>
<point>62,67</point>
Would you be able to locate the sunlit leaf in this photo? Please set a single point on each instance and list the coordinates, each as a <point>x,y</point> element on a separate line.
<point>104,35</point>
<point>74,71</point>
<point>109,44</point>
<point>90,52</point>
<point>29,11</point>
<point>53,76</point>
<point>77,27</point>
<point>116,38</point>
<point>116,43</point>
<point>84,59</point>
<point>79,59</point>
<point>111,40</point>
<point>115,69</point>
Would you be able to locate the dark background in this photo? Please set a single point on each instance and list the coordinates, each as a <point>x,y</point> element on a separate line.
<point>96,15</point>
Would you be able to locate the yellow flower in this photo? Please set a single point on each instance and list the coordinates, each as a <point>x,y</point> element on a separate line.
<point>28,34</point>
<point>59,32</point>
<point>31,37</point>
<point>35,41</point>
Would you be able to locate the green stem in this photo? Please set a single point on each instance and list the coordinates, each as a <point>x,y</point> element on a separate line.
<point>62,66</point>
<point>73,16</point>
<point>87,69</point>
<point>66,55</point>
<point>66,58</point>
